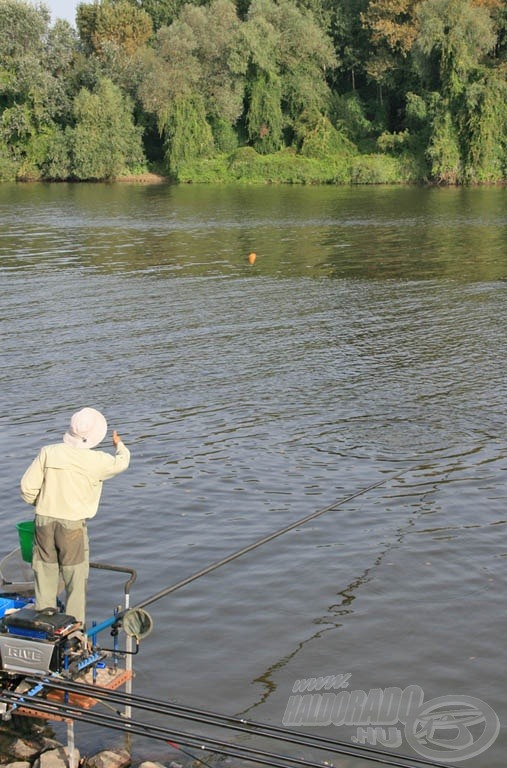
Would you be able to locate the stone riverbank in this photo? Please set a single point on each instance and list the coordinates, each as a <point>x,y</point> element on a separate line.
<point>34,747</point>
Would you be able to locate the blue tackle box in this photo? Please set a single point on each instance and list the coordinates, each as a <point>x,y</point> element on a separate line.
<point>9,603</point>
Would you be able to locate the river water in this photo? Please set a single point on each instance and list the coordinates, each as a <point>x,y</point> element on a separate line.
<point>366,343</point>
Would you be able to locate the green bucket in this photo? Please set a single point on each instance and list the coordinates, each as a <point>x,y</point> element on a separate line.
<point>26,533</point>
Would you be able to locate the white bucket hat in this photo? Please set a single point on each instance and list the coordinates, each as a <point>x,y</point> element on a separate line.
<point>87,429</point>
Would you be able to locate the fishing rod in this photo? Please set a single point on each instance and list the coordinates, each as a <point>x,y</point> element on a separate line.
<point>265,540</point>
<point>250,727</point>
<point>167,736</point>
<point>106,703</point>
<point>208,744</point>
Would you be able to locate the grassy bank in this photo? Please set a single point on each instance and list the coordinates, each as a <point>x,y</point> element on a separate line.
<point>246,166</point>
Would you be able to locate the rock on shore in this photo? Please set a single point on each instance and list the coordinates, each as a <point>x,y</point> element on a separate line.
<point>38,750</point>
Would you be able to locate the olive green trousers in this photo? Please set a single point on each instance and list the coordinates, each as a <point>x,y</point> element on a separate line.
<point>61,552</point>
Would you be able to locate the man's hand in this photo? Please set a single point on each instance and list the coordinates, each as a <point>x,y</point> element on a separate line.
<point>116,438</point>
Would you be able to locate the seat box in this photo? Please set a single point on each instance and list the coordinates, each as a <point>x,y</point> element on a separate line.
<point>48,624</point>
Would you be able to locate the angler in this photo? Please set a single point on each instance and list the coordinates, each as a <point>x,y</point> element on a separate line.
<point>64,484</point>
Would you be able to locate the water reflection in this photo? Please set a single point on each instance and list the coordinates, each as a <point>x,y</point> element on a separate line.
<point>199,231</point>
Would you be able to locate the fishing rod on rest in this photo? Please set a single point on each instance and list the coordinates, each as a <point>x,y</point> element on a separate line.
<point>208,744</point>
<point>250,727</point>
<point>137,622</point>
<point>158,734</point>
<point>137,611</point>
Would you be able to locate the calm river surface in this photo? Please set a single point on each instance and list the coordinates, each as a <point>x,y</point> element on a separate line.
<point>368,340</point>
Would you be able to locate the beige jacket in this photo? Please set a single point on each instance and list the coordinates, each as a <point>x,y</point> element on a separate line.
<point>66,482</point>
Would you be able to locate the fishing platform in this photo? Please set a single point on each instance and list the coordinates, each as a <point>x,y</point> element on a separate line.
<point>40,647</point>
<point>53,668</point>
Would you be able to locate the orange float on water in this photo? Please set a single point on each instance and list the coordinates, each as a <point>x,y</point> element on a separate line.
<point>251,258</point>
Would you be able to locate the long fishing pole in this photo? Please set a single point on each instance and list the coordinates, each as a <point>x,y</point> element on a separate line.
<point>214,745</point>
<point>167,736</point>
<point>266,539</point>
<point>376,755</point>
<point>206,717</point>
<point>109,704</point>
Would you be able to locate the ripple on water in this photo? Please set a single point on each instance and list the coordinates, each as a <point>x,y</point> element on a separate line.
<point>252,397</point>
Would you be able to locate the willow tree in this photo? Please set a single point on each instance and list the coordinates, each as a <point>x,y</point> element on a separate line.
<point>222,65</point>
<point>289,56</point>
<point>498,13</point>
<point>485,127</point>
<point>454,37</point>
<point>264,120</point>
<point>168,90</point>
<point>193,81</point>
<point>105,141</point>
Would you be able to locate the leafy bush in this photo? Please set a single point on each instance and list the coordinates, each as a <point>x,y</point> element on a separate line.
<point>8,166</point>
<point>444,150</point>
<point>376,169</point>
<point>224,136</point>
<point>204,171</point>
<point>245,166</point>
<point>347,113</point>
<point>56,165</point>
<point>394,143</point>
<point>317,137</point>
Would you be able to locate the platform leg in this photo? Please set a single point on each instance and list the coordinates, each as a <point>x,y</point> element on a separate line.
<point>128,684</point>
<point>70,744</point>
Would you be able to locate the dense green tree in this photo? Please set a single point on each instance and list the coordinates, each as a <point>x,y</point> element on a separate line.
<point>465,135</point>
<point>453,37</point>
<point>35,90</point>
<point>114,35</point>
<point>117,25</point>
<point>348,114</point>
<point>351,42</point>
<point>289,55</point>
<point>498,13</point>
<point>23,27</point>
<point>105,141</point>
<point>161,12</point>
<point>56,165</point>
<point>22,32</point>
<point>424,80</point>
<point>221,61</point>
<point>485,127</point>
<point>187,133</point>
<point>196,73</point>
<point>391,24</point>
<point>17,128</point>
<point>61,47</point>
<point>391,27</point>
<point>168,91</point>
